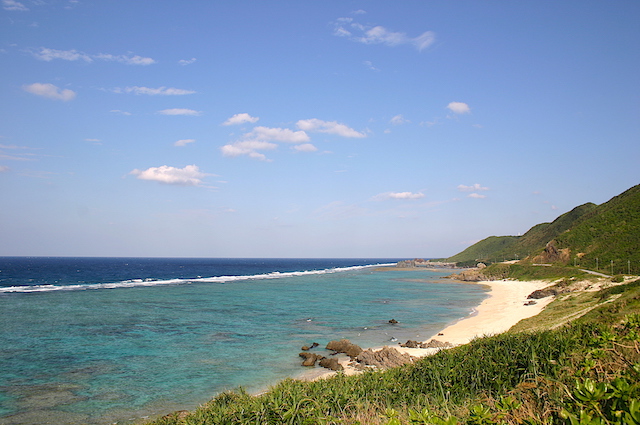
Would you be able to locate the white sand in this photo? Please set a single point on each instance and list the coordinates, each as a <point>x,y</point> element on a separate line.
<point>504,307</point>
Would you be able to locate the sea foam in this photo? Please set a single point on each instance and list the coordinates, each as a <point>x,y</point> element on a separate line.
<point>130,283</point>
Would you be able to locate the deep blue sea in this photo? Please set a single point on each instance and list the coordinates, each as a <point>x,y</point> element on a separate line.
<point>114,340</point>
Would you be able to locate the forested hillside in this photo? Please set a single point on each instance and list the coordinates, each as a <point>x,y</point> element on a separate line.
<point>605,237</point>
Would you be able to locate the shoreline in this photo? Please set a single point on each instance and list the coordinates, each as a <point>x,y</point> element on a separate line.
<point>502,309</point>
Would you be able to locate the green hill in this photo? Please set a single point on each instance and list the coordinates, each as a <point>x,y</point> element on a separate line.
<point>590,235</point>
<point>486,248</point>
<point>608,237</point>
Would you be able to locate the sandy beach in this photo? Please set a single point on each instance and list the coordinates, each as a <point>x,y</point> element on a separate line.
<point>503,308</point>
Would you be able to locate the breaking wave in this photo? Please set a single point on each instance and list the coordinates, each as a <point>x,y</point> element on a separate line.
<point>131,283</point>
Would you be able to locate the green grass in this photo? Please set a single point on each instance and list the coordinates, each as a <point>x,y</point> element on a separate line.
<point>585,372</point>
<point>524,271</point>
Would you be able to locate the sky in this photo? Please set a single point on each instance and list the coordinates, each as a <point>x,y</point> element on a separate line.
<point>351,128</point>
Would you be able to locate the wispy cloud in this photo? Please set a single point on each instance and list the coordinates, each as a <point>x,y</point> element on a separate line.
<point>473,188</point>
<point>48,55</point>
<point>119,112</point>
<point>476,196</point>
<point>261,138</point>
<point>126,59</point>
<point>370,66</point>
<point>184,62</point>
<point>180,111</point>
<point>277,135</point>
<point>50,91</point>
<point>399,120</point>
<point>184,142</point>
<point>240,119</point>
<point>187,176</point>
<point>331,127</point>
<point>16,154</point>
<point>14,6</point>
<point>4,168</point>
<point>398,196</point>
<point>162,91</point>
<point>459,108</point>
<point>354,31</point>
<point>250,148</point>
<point>305,147</point>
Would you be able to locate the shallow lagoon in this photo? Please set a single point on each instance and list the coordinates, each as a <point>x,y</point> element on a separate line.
<point>107,355</point>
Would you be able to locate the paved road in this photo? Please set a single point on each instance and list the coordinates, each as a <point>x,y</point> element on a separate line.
<point>595,273</point>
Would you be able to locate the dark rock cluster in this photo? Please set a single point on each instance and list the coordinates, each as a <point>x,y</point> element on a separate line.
<point>434,343</point>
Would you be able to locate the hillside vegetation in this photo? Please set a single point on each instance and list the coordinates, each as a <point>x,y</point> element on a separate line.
<point>604,237</point>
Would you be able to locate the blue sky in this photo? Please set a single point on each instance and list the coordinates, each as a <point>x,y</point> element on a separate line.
<point>308,128</point>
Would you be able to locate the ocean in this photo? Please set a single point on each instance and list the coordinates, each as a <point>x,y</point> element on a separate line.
<point>114,340</point>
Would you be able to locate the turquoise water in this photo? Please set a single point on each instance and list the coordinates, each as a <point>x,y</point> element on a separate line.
<point>114,355</point>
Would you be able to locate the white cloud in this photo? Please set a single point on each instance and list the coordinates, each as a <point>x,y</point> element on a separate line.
<point>50,91</point>
<point>424,40</point>
<point>3,168</point>
<point>179,111</point>
<point>331,127</point>
<point>277,135</point>
<point>346,27</point>
<point>370,66</point>
<point>186,61</point>
<point>119,112</point>
<point>92,140</point>
<point>240,119</point>
<point>398,195</point>
<point>476,196</point>
<point>305,147</point>
<point>184,142</point>
<point>164,91</point>
<point>473,188</point>
<point>459,107</point>
<point>399,120</point>
<point>249,148</point>
<point>187,176</point>
<point>129,60</point>
<point>67,55</point>
<point>14,5</point>
<point>48,55</point>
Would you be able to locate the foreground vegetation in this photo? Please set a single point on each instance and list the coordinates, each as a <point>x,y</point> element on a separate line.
<point>585,371</point>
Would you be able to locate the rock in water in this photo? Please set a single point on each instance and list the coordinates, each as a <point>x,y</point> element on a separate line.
<point>310,359</point>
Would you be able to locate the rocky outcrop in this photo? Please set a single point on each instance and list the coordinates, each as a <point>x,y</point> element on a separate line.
<point>331,363</point>
<point>383,359</point>
<point>473,275</point>
<point>543,293</point>
<point>411,344</point>
<point>307,348</point>
<point>553,254</point>
<point>344,346</point>
<point>310,359</point>
<point>434,343</point>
